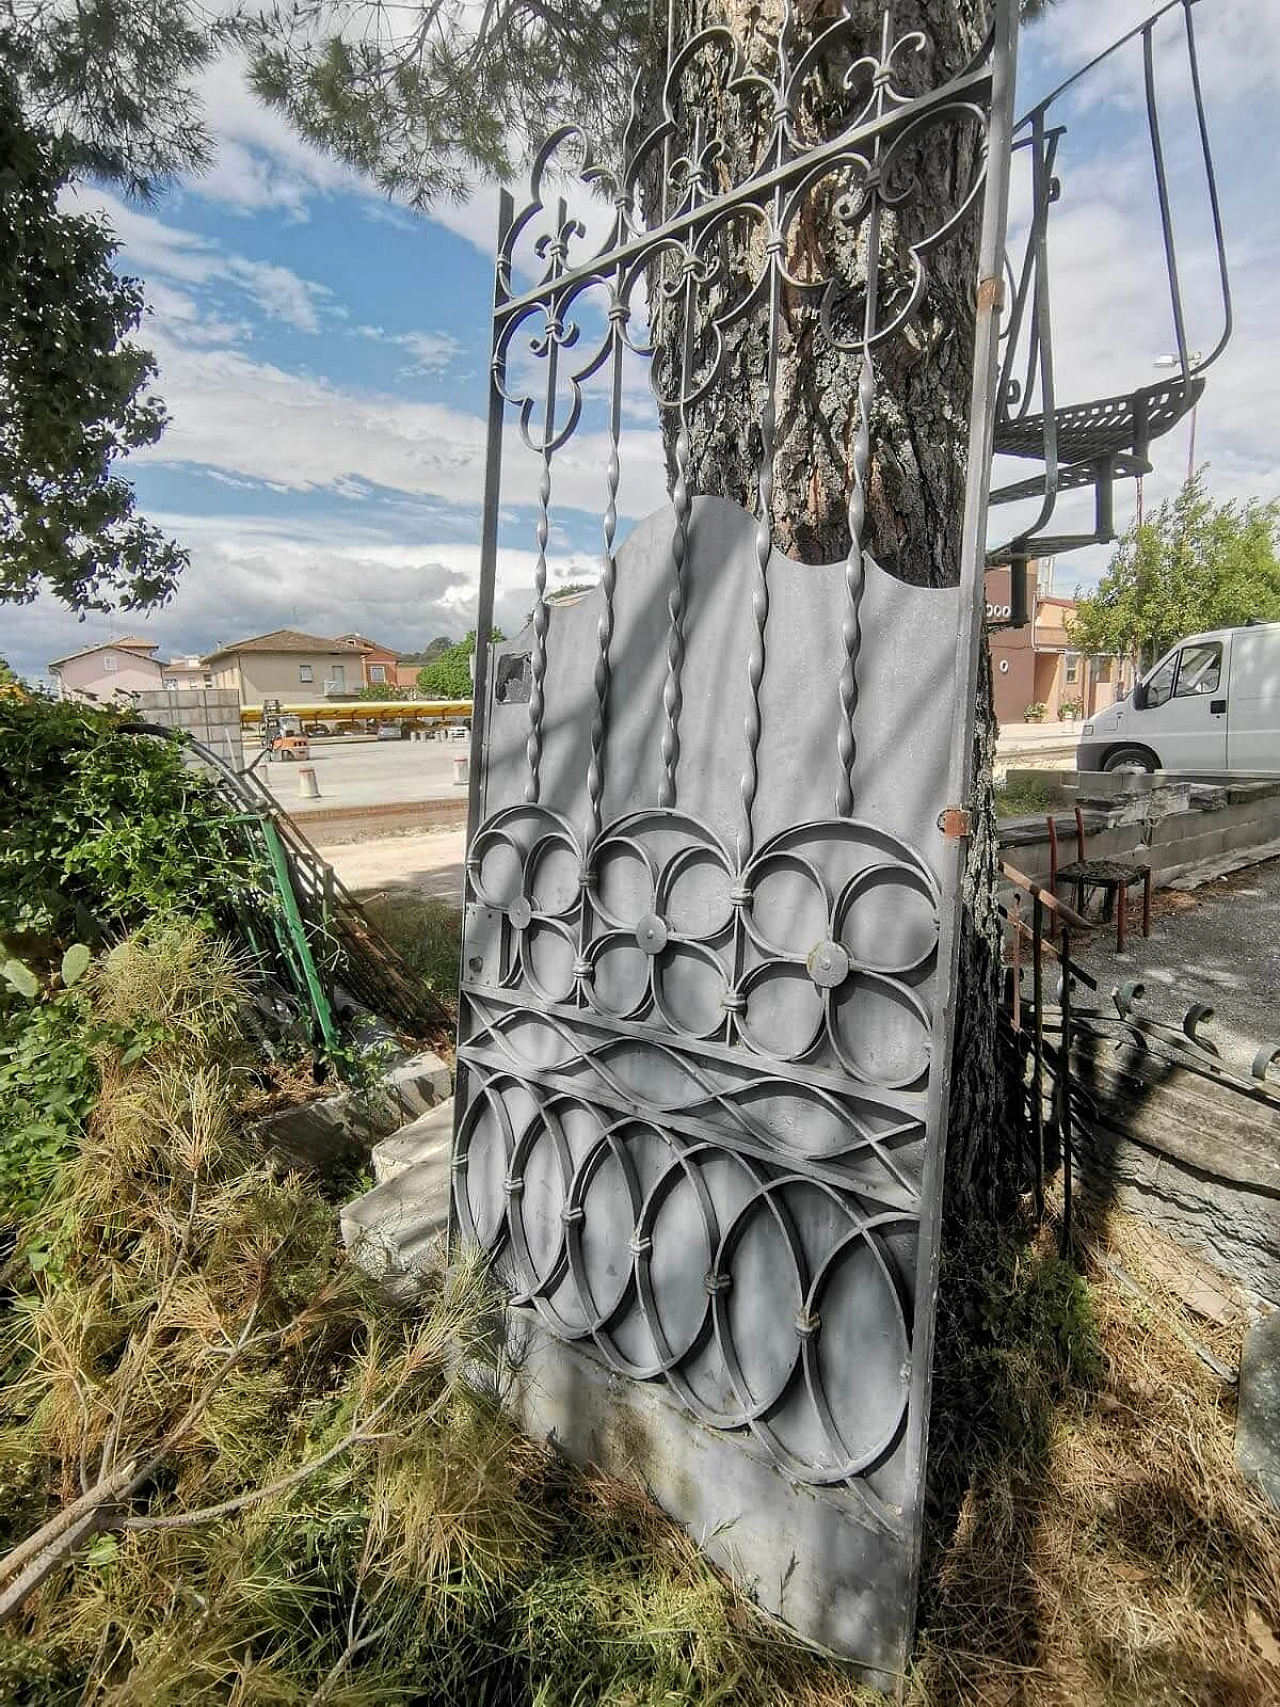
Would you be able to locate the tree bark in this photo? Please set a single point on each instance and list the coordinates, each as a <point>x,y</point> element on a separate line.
<point>919,418</point>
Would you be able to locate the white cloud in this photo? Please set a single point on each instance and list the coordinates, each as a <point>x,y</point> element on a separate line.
<point>249,575</point>
<point>279,292</point>
<point>257,420</point>
<point>166,252</point>
<point>432,352</point>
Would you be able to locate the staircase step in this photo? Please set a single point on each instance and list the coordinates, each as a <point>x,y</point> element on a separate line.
<point>421,1140</point>
<point>392,1230</point>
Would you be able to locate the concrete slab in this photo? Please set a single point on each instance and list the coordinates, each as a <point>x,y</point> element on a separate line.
<point>367,773</point>
<point>427,1139</point>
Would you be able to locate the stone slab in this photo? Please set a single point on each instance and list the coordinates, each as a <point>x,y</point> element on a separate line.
<point>422,1140</point>
<point>335,1130</point>
<point>1258,1408</point>
<point>391,1229</point>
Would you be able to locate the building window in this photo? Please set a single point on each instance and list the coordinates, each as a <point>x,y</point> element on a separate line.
<point>377,672</point>
<point>1073,666</point>
<point>109,665</point>
<point>304,672</point>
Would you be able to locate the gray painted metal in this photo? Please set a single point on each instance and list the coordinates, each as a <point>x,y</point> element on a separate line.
<point>710,934</point>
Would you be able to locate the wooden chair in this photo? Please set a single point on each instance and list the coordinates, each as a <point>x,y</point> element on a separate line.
<point>1115,877</point>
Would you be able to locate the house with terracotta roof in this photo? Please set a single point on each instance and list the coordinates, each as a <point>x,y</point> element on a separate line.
<point>1036,665</point>
<point>379,662</point>
<point>287,665</point>
<point>112,667</point>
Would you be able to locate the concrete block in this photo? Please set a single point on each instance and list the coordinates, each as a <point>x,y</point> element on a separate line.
<point>425,1139</point>
<point>393,1230</point>
<point>1206,798</point>
<point>338,1131</point>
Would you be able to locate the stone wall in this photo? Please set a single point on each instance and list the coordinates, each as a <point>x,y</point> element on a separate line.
<point>1177,825</point>
<point>1197,1152</point>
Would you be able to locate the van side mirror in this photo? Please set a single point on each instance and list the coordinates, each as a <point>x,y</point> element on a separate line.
<point>1139,696</point>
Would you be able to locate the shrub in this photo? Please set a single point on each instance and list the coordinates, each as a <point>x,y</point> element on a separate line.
<point>99,830</point>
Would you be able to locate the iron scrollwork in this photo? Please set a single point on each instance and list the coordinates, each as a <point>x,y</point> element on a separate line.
<point>699,1044</point>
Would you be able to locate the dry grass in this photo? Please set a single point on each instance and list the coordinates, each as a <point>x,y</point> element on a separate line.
<point>1091,1543</point>
<point>1108,1552</point>
<point>426,932</point>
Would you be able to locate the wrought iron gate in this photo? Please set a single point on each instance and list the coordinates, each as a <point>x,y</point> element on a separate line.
<point>713,888</point>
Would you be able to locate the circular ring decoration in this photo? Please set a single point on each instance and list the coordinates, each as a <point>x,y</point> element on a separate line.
<point>520,912</point>
<point>912,914</point>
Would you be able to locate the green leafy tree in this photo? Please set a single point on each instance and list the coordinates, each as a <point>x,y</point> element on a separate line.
<point>74,394</point>
<point>449,677</point>
<point>1194,565</point>
<point>429,653</point>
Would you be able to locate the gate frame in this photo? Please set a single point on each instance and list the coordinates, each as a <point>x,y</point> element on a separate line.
<point>954,822</point>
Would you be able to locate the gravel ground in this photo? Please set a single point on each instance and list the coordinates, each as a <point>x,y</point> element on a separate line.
<point>429,861</point>
<point>1220,945</point>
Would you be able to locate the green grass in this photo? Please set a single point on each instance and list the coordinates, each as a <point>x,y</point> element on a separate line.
<point>426,932</point>
<point>1022,798</point>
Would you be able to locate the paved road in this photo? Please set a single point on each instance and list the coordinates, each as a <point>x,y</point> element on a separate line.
<point>1219,944</point>
<point>368,773</point>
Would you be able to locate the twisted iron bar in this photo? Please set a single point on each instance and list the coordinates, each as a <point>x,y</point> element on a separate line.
<point>672,692</point>
<point>541,618</point>
<point>682,504</point>
<point>855,581</point>
<point>608,584</point>
<point>760,611</point>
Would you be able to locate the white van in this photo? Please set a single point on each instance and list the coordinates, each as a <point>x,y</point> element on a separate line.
<point>1211,704</point>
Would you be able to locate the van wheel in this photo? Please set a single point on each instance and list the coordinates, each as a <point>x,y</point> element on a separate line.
<point>1130,759</point>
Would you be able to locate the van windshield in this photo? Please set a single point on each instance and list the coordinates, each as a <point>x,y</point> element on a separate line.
<point>1159,684</point>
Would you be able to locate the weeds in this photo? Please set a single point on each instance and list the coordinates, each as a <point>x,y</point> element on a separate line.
<point>427,934</point>
<point>1022,796</point>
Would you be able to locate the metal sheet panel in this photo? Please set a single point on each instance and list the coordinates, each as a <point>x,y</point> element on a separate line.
<point>708,954</point>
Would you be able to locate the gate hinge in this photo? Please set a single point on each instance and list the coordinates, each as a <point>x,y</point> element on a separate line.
<point>991,293</point>
<point>954,822</point>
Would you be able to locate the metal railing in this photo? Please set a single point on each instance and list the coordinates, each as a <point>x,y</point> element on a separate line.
<point>1095,442</point>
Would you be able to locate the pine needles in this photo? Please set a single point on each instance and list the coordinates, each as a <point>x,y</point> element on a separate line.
<point>231,1473</point>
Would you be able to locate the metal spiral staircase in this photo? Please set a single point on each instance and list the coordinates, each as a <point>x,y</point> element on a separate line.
<point>1092,444</point>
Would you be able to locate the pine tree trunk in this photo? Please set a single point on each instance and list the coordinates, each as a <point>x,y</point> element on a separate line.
<point>919,431</point>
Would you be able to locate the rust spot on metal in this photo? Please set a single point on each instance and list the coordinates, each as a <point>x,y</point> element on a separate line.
<point>954,822</point>
<point>990,294</point>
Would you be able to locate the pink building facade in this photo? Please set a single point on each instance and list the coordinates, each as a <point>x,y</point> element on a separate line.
<point>99,673</point>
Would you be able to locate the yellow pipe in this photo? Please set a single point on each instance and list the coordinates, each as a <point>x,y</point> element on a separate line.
<point>359,710</point>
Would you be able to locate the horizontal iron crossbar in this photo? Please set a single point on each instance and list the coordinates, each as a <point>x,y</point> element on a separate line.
<point>905,1105</point>
<point>973,85</point>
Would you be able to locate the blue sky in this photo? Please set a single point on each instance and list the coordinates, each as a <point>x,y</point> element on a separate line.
<point>323,354</point>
